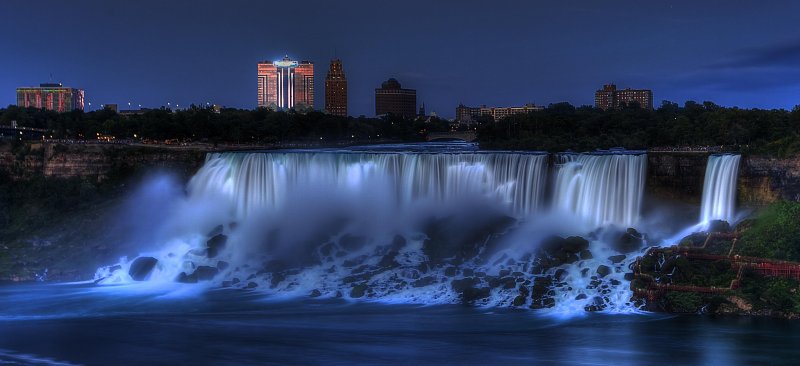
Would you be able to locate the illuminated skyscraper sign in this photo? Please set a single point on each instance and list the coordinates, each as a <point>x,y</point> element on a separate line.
<point>285,84</point>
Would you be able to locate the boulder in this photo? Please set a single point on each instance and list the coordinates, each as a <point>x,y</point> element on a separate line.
<point>315,293</point>
<point>575,244</point>
<point>719,226</point>
<point>586,254</point>
<point>141,268</point>
<point>186,278</point>
<point>617,258</point>
<point>205,273</point>
<point>629,241</point>
<point>216,231</point>
<point>603,270</point>
<point>358,290</point>
<point>216,244</point>
<point>519,301</point>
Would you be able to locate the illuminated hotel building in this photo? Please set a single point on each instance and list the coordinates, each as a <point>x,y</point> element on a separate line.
<point>611,98</point>
<point>285,84</point>
<point>53,97</point>
<point>390,98</point>
<point>336,90</point>
<point>469,115</point>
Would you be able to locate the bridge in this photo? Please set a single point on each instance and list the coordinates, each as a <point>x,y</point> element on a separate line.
<point>453,135</point>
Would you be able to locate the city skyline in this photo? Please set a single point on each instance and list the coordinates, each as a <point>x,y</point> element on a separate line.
<point>202,54</point>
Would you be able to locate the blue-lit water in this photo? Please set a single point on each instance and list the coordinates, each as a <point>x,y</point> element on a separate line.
<point>84,324</point>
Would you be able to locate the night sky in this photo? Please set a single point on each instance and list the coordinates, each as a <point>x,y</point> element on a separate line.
<point>150,52</point>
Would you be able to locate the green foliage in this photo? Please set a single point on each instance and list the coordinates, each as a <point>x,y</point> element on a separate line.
<point>563,127</point>
<point>684,302</point>
<point>258,126</point>
<point>775,233</point>
<point>774,293</point>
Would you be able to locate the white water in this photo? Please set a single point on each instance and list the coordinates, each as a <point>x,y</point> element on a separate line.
<point>601,189</point>
<point>719,188</point>
<point>281,199</point>
<point>255,181</point>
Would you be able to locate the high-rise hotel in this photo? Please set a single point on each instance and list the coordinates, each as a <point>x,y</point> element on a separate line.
<point>286,84</point>
<point>53,97</point>
<point>336,90</point>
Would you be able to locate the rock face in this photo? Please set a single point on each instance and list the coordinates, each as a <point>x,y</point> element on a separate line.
<point>762,180</point>
<point>95,162</point>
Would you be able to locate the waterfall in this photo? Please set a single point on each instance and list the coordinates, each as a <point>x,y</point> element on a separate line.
<point>253,181</point>
<point>601,188</point>
<point>719,188</point>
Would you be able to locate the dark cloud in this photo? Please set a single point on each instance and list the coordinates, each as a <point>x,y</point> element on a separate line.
<point>783,55</point>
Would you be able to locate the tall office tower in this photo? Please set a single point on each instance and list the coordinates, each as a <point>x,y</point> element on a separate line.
<point>54,97</point>
<point>286,84</point>
<point>336,90</point>
<point>391,98</point>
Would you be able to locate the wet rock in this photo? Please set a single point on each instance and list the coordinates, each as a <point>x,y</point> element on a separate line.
<point>629,276</point>
<point>617,258</point>
<point>358,291</point>
<point>216,244</point>
<point>141,268</point>
<point>581,297</point>
<point>560,274</point>
<point>597,305</point>
<point>205,273</point>
<point>215,231</point>
<point>504,272</point>
<point>586,254</point>
<point>461,285</point>
<point>222,265</point>
<point>398,243</point>
<point>575,244</point>
<point>719,226</point>
<point>186,278</point>
<point>517,274</point>
<point>251,285</point>
<point>473,294</point>
<point>450,271</point>
<point>519,301</point>
<point>480,274</point>
<point>585,272</point>
<point>629,241</point>
<point>235,281</point>
<point>615,282</point>
<point>468,272</point>
<point>315,293</point>
<point>603,270</point>
<point>389,261</point>
<point>425,281</point>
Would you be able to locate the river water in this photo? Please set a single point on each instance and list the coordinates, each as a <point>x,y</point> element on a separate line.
<point>84,324</point>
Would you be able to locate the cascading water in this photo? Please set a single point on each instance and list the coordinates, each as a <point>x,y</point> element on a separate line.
<point>719,188</point>
<point>412,227</point>
<point>602,188</point>
<point>255,181</point>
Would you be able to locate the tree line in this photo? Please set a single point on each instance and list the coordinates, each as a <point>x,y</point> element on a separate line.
<point>563,127</point>
<point>203,124</point>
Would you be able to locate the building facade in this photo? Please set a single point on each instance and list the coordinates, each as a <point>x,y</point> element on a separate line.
<point>53,97</point>
<point>391,98</point>
<point>336,90</point>
<point>470,115</point>
<point>286,84</point>
<point>611,98</point>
